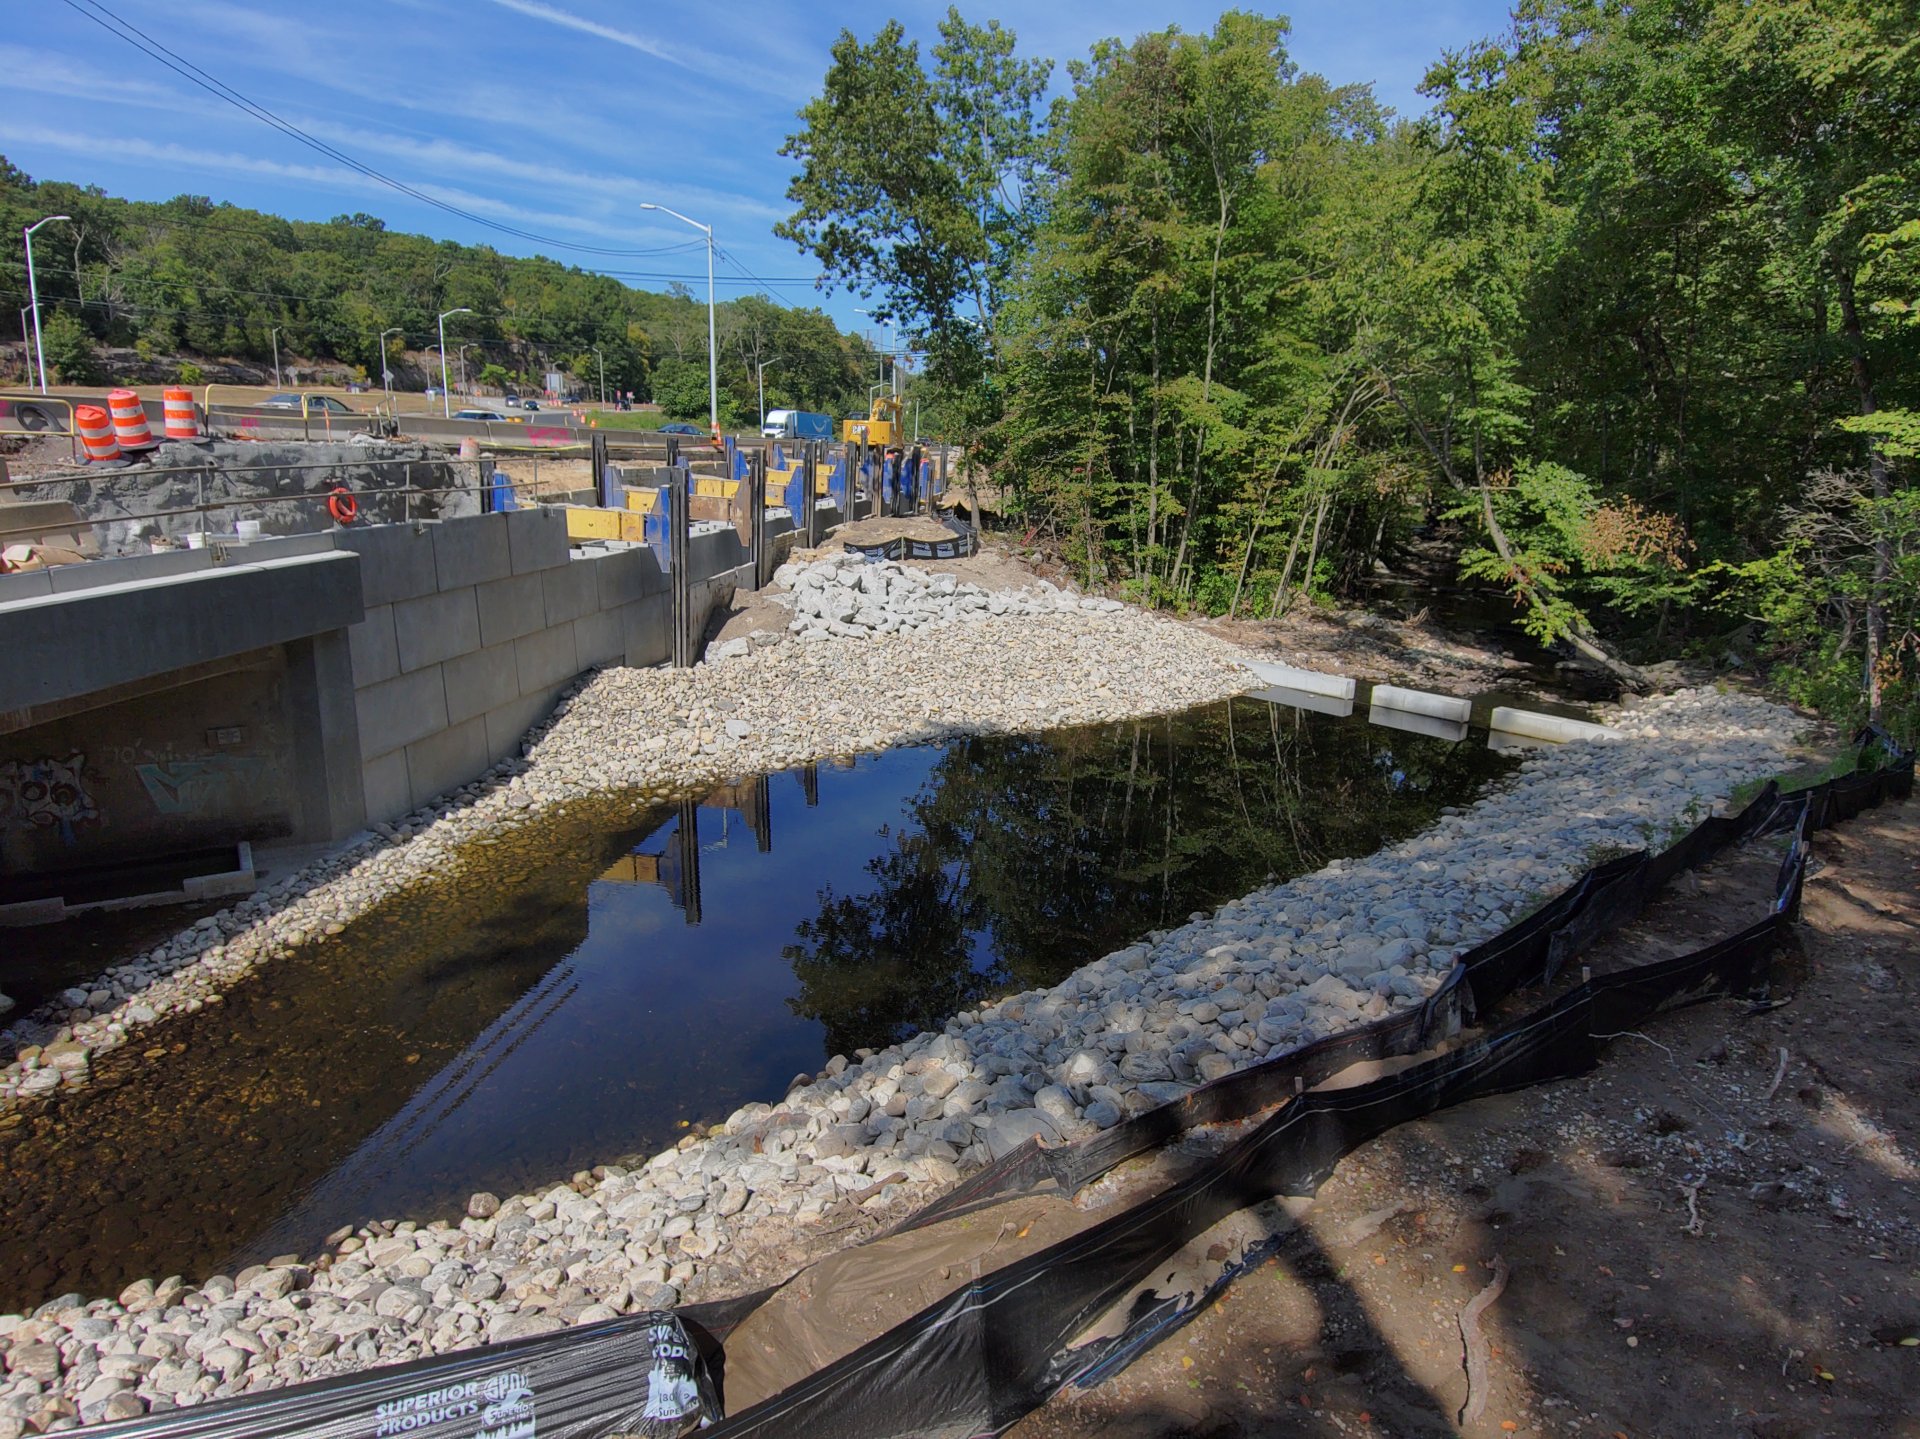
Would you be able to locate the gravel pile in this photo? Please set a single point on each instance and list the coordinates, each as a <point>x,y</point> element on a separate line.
<point>845,596</point>
<point>880,1131</point>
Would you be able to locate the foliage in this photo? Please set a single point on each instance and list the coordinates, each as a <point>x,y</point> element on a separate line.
<point>217,279</point>
<point>190,373</point>
<point>680,388</point>
<point>68,350</point>
<point>1639,275</point>
<point>918,187</point>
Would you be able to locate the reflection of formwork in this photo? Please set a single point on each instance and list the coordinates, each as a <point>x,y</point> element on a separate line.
<point>670,856</point>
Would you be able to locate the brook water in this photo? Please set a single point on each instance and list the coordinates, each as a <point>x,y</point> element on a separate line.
<point>590,987</point>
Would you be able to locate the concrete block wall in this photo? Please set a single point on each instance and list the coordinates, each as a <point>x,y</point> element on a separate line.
<point>473,627</point>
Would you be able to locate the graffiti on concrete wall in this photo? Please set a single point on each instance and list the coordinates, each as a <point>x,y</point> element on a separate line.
<point>46,793</point>
<point>194,786</point>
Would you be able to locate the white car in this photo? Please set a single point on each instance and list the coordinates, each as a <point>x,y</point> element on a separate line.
<point>478,415</point>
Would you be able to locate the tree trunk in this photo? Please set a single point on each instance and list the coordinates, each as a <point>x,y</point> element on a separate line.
<point>1246,560</point>
<point>1882,488</point>
<point>1577,635</point>
<point>1286,570</point>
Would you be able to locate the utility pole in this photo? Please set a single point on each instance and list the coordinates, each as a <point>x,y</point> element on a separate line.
<point>33,293</point>
<point>713,353</point>
<point>386,370</point>
<point>603,375</point>
<point>276,356</point>
<point>446,401</point>
<point>760,383</point>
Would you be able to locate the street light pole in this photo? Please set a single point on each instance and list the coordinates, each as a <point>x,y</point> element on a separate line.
<point>713,354</point>
<point>33,293</point>
<point>386,370</point>
<point>760,383</point>
<point>446,401</point>
<point>276,356</point>
<point>603,375</point>
<point>888,324</point>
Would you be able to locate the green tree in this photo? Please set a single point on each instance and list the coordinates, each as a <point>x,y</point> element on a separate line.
<point>680,387</point>
<point>920,187</point>
<point>68,350</point>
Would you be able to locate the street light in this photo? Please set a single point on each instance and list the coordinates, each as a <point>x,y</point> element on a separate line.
<point>760,382</point>
<point>275,337</point>
<point>446,402</point>
<point>603,375</point>
<point>713,355</point>
<point>386,370</point>
<point>888,326</point>
<point>33,292</point>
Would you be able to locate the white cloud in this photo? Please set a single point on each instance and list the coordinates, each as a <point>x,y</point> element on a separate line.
<point>717,65</point>
<point>126,148</point>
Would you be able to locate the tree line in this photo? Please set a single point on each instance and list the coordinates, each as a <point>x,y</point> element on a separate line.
<point>1633,305</point>
<point>188,277</point>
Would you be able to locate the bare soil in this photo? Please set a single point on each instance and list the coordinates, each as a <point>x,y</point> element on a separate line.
<point>1714,1234</point>
<point>1371,647</point>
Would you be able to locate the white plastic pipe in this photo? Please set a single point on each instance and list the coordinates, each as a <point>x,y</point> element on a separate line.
<point>1444,707</point>
<point>1556,728</point>
<point>1310,682</point>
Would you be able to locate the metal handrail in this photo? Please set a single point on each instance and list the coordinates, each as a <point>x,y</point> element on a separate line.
<point>72,431</point>
<point>409,490</point>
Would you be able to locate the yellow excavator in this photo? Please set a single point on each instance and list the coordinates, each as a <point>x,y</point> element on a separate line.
<point>880,428</point>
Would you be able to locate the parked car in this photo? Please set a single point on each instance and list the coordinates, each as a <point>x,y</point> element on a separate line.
<point>681,427</point>
<point>478,415</point>
<point>315,404</point>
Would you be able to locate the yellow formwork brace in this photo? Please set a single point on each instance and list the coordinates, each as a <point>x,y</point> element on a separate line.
<point>715,489</point>
<point>591,524</point>
<point>643,501</point>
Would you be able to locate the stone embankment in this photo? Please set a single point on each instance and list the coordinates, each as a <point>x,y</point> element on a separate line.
<point>844,596</point>
<point>663,731</point>
<point>880,1131</point>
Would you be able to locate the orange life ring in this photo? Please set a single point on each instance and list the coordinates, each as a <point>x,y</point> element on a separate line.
<point>341,504</point>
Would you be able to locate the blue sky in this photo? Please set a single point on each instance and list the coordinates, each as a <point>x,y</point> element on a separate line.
<point>557,117</point>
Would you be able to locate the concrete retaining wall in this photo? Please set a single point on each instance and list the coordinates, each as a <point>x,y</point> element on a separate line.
<point>308,686</point>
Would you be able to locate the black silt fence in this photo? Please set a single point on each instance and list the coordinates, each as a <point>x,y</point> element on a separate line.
<point>993,1351</point>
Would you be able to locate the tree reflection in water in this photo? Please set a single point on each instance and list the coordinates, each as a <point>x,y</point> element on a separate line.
<point>1024,857</point>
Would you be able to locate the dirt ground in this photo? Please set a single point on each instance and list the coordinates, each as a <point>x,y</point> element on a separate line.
<point>1368,646</point>
<point>1714,1234</point>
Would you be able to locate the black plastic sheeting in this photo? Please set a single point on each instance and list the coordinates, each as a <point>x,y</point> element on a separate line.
<point>640,1375</point>
<point>992,1352</point>
<point>965,541</point>
<point>995,1350</point>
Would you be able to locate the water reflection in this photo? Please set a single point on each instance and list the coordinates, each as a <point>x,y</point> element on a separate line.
<point>582,990</point>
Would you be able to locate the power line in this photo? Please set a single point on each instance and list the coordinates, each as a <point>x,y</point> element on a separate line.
<point>122,29</point>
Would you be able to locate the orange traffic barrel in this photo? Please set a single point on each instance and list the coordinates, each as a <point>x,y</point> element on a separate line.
<point>129,420</point>
<point>96,433</point>
<point>182,423</point>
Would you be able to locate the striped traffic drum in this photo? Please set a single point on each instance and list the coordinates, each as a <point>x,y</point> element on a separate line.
<point>129,421</point>
<point>181,421</point>
<point>96,433</point>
